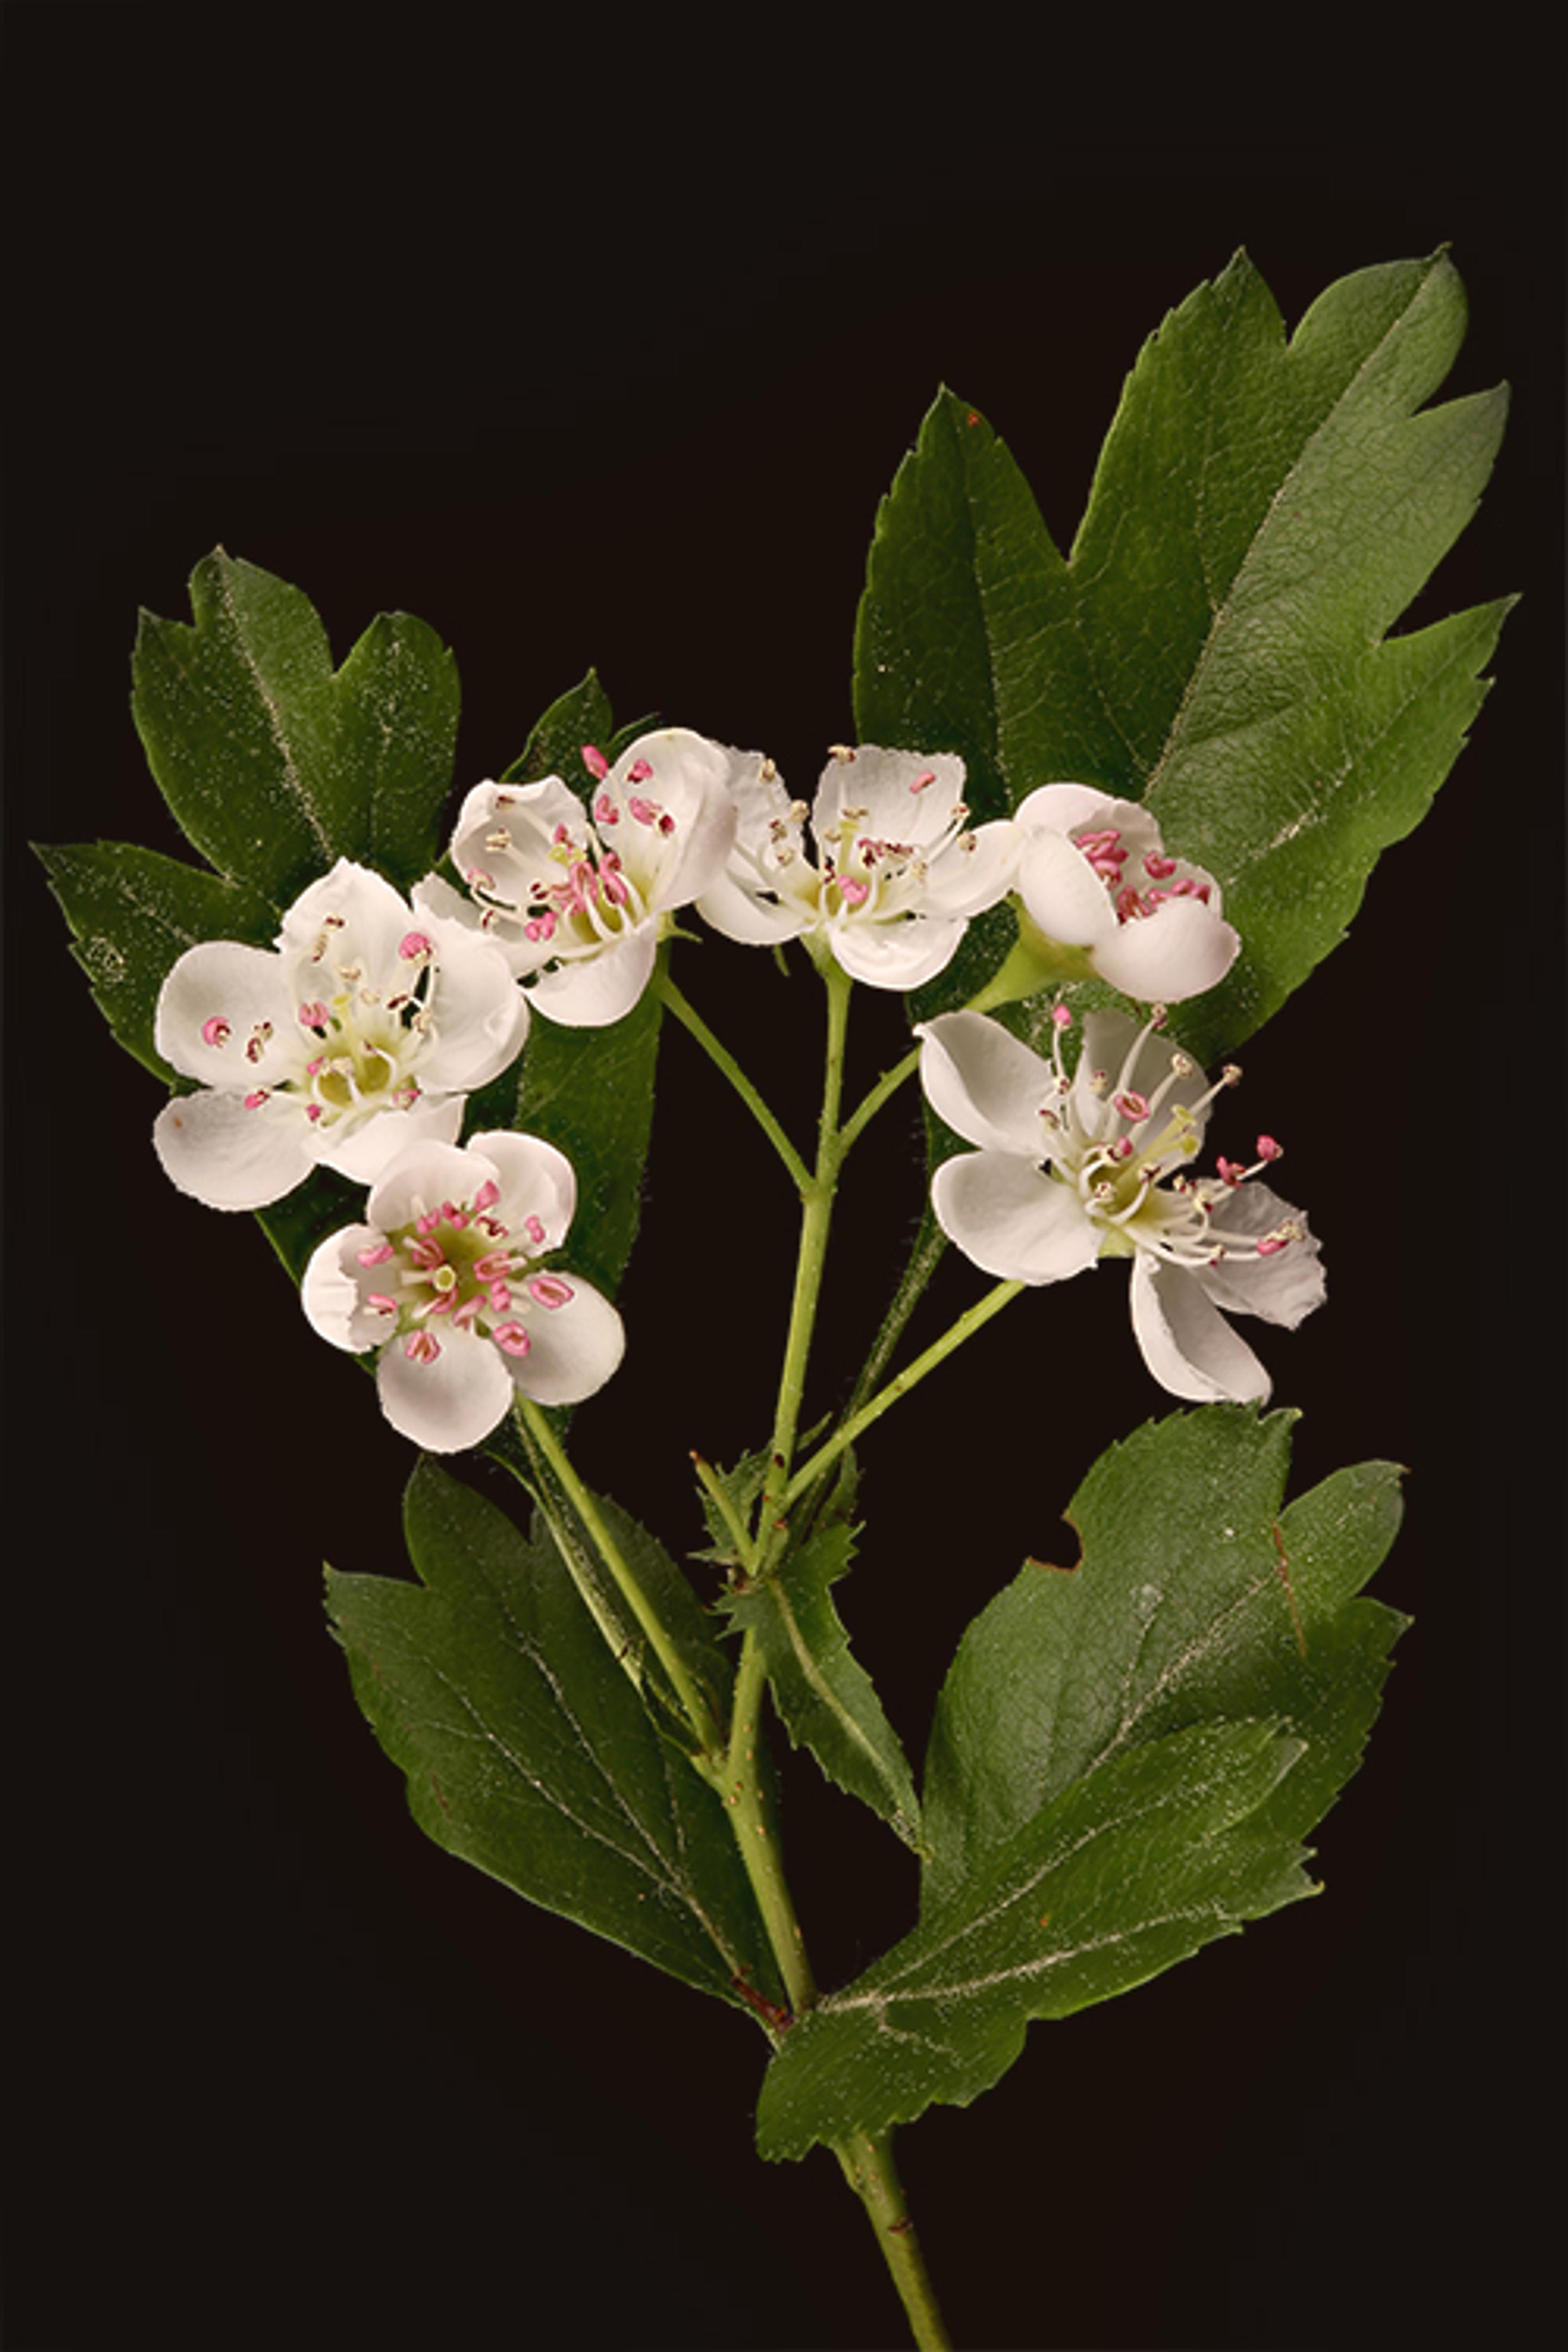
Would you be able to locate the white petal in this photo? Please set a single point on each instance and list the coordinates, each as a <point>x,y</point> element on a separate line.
<point>365,1152</point>
<point>985,1083</point>
<point>689,783</point>
<point>223,981</point>
<point>1186,1342</point>
<point>903,952</point>
<point>1011,1219</point>
<point>1060,808</point>
<point>448,1403</point>
<point>530,814</point>
<point>536,1180</point>
<point>964,881</point>
<point>592,991</point>
<point>1062,892</point>
<point>889,786</point>
<point>423,1177</point>
<point>335,1286</point>
<point>742,910</point>
<point>1282,1288</point>
<point>573,1349</point>
<point>1179,950</point>
<point>478,1013</point>
<point>372,919</point>
<point>231,1157</point>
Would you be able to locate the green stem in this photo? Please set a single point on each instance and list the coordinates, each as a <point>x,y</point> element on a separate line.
<point>665,989</point>
<point>698,1712</point>
<point>973,1321</point>
<point>755,1833</point>
<point>887,1086</point>
<point>867,2162</point>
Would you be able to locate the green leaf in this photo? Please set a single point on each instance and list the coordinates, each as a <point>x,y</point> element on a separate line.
<point>1262,513</point>
<point>528,1752</point>
<point>582,715</point>
<point>1125,1757</point>
<point>825,1700</point>
<point>132,914</point>
<point>273,766</point>
<point>1192,1596</point>
<point>1130,1871</point>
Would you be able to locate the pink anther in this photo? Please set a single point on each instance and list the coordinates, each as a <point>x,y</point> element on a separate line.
<point>422,1347</point>
<point>314,1016</point>
<point>542,929</point>
<point>377,1255</point>
<point>487,1196</point>
<point>1130,1103</point>
<point>853,894</point>
<point>494,1267</point>
<point>646,811</point>
<point>1268,1148</point>
<point>425,1255</point>
<point>216,1031</point>
<point>593,760</point>
<point>1158,869</point>
<point>512,1338</point>
<point>454,1216</point>
<point>382,1303</point>
<point>534,1228</point>
<point>1271,1244</point>
<point>1231,1172</point>
<point>418,944</point>
<point>549,1290</point>
<point>1061,1018</point>
<point>923,781</point>
<point>638,773</point>
<point>255,1101</point>
<point>604,811</point>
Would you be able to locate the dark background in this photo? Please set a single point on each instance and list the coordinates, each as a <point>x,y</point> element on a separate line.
<point>587,357</point>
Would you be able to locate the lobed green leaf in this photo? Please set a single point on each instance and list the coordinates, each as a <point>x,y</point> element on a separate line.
<point>528,1752</point>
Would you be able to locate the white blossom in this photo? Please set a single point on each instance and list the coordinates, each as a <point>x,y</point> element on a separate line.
<point>1072,1170</point>
<point>897,872</point>
<point>1093,874</point>
<point>360,1033</point>
<point>579,902</point>
<point>445,1278</point>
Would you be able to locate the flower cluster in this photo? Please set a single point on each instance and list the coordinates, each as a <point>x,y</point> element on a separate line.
<point>355,1042</point>
<point>1069,1170</point>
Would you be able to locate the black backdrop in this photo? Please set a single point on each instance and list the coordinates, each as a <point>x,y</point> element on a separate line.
<point>585,360</point>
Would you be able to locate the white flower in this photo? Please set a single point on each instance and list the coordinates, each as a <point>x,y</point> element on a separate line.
<point>1093,874</point>
<point>361,1033</point>
<point>898,874</point>
<point>1070,1170</point>
<point>579,905</point>
<point>444,1276</point>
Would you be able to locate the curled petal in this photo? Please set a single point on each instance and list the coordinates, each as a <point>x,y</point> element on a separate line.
<point>688,780</point>
<point>362,917</point>
<point>449,1400</point>
<point>231,1157</point>
<point>750,912</point>
<point>1179,950</point>
<point>1186,1342</point>
<point>478,1013</point>
<point>573,1349</point>
<point>336,1287</point>
<point>1283,1286</point>
<point>965,881</point>
<point>1011,1219</point>
<point>1061,891</point>
<point>985,1083</point>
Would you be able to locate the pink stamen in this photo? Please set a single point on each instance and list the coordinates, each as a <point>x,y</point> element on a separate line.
<point>541,929</point>
<point>1271,1244</point>
<point>512,1338</point>
<point>425,1255</point>
<point>638,773</point>
<point>493,1266</point>
<point>487,1196</point>
<point>604,810</point>
<point>500,1297</point>
<point>1268,1148</point>
<point>422,1347</point>
<point>1231,1171</point>
<point>477,879</point>
<point>642,809</point>
<point>1061,1018</point>
<point>549,1290</point>
<point>216,1031</point>
<point>1158,869</point>
<point>593,760</point>
<point>923,781</point>
<point>378,1254</point>
<point>255,1101</point>
<point>417,943</point>
<point>534,1228</point>
<point>314,1016</point>
<point>1130,1103</point>
<point>382,1304</point>
<point>853,894</point>
<point>312,1111</point>
<point>464,1315</point>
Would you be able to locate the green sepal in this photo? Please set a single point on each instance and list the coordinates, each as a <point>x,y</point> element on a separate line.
<point>528,1752</point>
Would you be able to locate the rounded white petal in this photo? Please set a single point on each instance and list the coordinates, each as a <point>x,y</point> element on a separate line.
<point>365,1152</point>
<point>573,1349</point>
<point>744,910</point>
<point>363,918</point>
<point>452,1401</point>
<point>689,784</point>
<point>592,991</point>
<point>966,880</point>
<point>903,952</point>
<point>1282,1288</point>
<point>985,1083</point>
<point>335,1286</point>
<point>1061,891</point>
<point>1011,1219</point>
<point>530,815</point>
<point>214,1148</point>
<point>245,989</point>
<point>1060,808</point>
<point>1179,950</point>
<point>892,789</point>
<point>478,1013</point>
<point>1186,1342</point>
<point>423,1177</point>
<point>534,1181</point>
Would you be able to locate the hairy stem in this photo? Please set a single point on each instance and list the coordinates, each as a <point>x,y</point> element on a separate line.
<point>867,2163</point>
